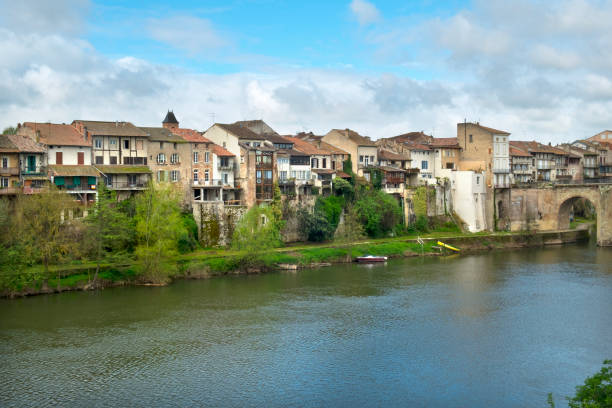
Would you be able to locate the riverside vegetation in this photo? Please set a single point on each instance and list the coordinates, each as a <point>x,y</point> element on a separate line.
<point>150,239</point>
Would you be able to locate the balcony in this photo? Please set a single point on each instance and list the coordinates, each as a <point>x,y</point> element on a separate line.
<point>227,167</point>
<point>502,185</point>
<point>34,170</point>
<point>207,183</point>
<point>503,170</point>
<point>9,171</point>
<point>9,190</point>
<point>126,185</point>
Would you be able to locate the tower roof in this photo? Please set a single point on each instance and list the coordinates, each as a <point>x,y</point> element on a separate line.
<point>170,118</point>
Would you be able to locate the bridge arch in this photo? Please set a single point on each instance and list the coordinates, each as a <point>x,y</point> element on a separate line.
<point>601,198</point>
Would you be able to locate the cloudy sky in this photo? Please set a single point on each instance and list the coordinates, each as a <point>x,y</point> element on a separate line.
<point>538,69</point>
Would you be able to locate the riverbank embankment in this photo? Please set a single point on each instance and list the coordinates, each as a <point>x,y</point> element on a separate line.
<point>211,263</point>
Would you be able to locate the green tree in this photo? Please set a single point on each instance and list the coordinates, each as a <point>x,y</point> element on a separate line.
<point>11,130</point>
<point>258,230</point>
<point>331,208</point>
<point>109,230</point>
<point>315,224</point>
<point>43,229</point>
<point>350,230</point>
<point>158,228</point>
<point>343,188</point>
<point>378,211</point>
<point>596,391</point>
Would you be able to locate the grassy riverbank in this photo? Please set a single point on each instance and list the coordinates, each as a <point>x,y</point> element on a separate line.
<point>217,262</point>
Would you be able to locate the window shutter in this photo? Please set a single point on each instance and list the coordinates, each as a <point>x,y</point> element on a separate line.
<point>59,158</point>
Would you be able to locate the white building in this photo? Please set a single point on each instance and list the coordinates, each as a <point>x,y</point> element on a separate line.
<point>468,191</point>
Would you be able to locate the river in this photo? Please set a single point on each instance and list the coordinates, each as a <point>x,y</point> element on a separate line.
<point>500,329</point>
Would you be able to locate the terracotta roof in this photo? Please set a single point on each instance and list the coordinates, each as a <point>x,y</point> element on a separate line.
<point>160,134</point>
<point>26,145</point>
<point>488,129</point>
<point>355,137</point>
<point>415,137</point>
<point>191,135</point>
<point>535,147</point>
<point>417,146</point>
<point>170,118</point>
<point>240,132</point>
<point>389,155</point>
<point>274,138</point>
<point>65,170</point>
<point>58,134</point>
<point>220,151</point>
<point>120,169</point>
<point>449,142</point>
<point>6,145</point>
<point>306,147</point>
<point>342,174</point>
<point>111,128</point>
<point>518,152</point>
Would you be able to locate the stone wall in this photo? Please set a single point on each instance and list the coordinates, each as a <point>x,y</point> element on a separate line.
<point>216,222</point>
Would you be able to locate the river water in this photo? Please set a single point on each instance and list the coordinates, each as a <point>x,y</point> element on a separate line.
<point>500,329</point>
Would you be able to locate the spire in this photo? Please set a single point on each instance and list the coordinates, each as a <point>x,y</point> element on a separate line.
<point>170,121</point>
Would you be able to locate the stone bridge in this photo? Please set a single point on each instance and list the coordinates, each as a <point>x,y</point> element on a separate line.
<point>548,208</point>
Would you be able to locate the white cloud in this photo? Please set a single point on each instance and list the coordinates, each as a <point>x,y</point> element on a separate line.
<point>187,33</point>
<point>365,12</point>
<point>44,16</point>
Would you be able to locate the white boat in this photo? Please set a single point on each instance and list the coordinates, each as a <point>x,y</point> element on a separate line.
<point>371,258</point>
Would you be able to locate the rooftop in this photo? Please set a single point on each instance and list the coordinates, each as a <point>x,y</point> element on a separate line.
<point>488,129</point>
<point>220,151</point>
<point>355,137</point>
<point>58,134</point>
<point>389,155</point>
<point>191,135</point>
<point>111,128</point>
<point>79,170</point>
<point>26,145</point>
<point>306,147</point>
<point>240,132</point>
<point>160,134</point>
<point>170,118</point>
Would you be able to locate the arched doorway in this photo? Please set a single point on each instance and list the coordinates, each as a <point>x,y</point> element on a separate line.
<point>575,211</point>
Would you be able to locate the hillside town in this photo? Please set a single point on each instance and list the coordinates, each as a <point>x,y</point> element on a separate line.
<point>239,164</point>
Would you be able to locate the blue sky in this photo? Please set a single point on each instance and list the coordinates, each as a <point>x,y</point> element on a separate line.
<point>538,69</point>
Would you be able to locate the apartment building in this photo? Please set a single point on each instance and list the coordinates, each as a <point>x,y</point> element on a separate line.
<point>363,151</point>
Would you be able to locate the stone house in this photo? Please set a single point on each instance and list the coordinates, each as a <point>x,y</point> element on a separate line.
<point>119,153</point>
<point>169,156</point>
<point>9,167</point>
<point>490,148</point>
<point>422,158</point>
<point>338,156</point>
<point>224,164</point>
<point>69,159</point>
<point>521,164</point>
<point>363,151</point>
<point>257,174</point>
<point>32,162</point>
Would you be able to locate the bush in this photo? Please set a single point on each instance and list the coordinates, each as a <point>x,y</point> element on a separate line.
<point>258,229</point>
<point>378,211</point>
<point>421,224</point>
<point>316,225</point>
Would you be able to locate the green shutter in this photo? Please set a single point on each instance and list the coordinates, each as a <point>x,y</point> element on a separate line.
<point>59,181</point>
<point>91,181</point>
<point>76,180</point>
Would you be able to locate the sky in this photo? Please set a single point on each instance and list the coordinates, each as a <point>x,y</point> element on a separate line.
<point>539,69</point>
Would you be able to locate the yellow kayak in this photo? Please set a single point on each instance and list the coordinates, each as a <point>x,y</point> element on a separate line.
<point>452,248</point>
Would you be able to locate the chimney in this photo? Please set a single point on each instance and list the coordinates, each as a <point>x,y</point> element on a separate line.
<point>116,123</point>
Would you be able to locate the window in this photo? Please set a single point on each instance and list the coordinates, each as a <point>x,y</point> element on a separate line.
<point>174,175</point>
<point>113,142</point>
<point>59,158</point>
<point>174,158</point>
<point>206,157</point>
<point>80,157</point>
<point>206,175</point>
<point>97,143</point>
<point>5,162</point>
<point>424,164</point>
<point>224,162</point>
<point>324,163</point>
<point>196,157</point>
<point>283,175</point>
<point>113,160</point>
<point>161,158</point>
<point>268,174</point>
<point>371,159</point>
<point>99,160</point>
<point>126,143</point>
<point>225,178</point>
<point>258,176</point>
<point>471,139</point>
<point>161,145</point>
<point>4,182</point>
<point>224,145</point>
<point>360,159</point>
<point>195,175</point>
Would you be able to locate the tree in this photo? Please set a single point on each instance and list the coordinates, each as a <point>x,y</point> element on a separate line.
<point>316,225</point>
<point>596,391</point>
<point>378,211</point>
<point>9,130</point>
<point>158,228</point>
<point>109,229</point>
<point>43,228</point>
<point>343,188</point>
<point>350,230</point>
<point>257,230</point>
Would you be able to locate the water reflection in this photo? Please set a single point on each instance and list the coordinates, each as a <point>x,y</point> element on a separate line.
<point>498,329</point>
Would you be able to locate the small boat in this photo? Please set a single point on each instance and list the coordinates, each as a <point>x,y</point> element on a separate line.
<point>452,248</point>
<point>371,258</point>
